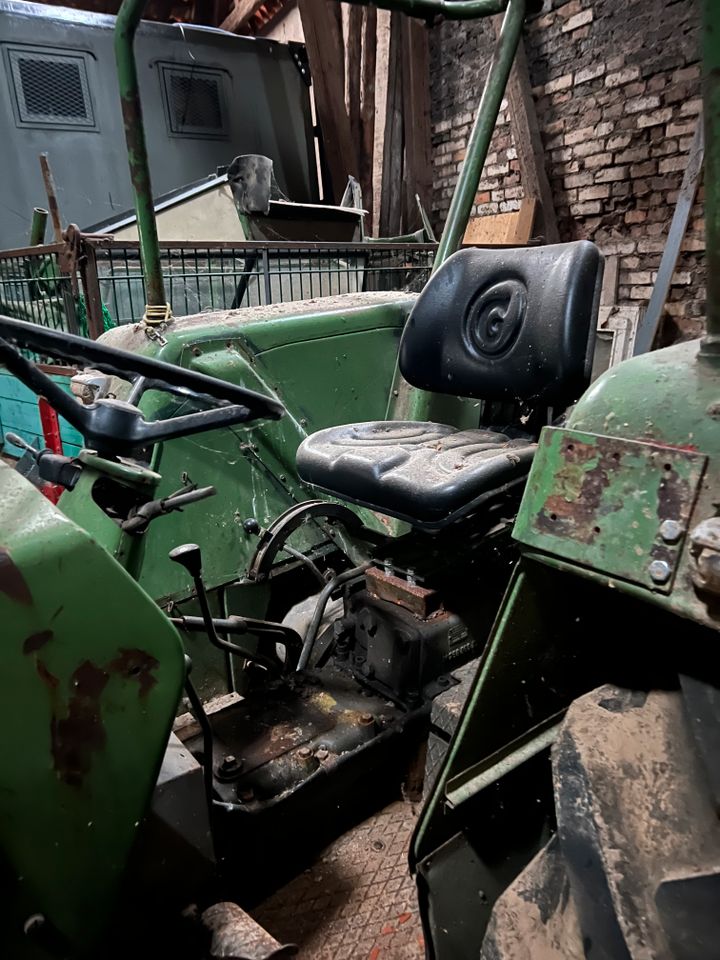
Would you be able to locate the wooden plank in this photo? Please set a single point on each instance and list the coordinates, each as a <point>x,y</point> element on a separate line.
<point>322,26</point>
<point>392,170</point>
<point>367,114</point>
<point>608,295</point>
<point>504,228</point>
<point>353,64</point>
<point>241,12</point>
<point>528,143</point>
<point>417,178</point>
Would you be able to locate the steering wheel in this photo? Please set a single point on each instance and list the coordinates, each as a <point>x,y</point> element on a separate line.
<point>117,426</point>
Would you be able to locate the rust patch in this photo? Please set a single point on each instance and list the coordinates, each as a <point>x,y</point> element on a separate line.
<point>136,665</point>
<point>576,504</point>
<point>36,641</point>
<point>12,582</point>
<point>81,733</point>
<point>418,600</point>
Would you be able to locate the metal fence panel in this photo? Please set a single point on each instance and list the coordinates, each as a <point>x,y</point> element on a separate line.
<point>35,283</point>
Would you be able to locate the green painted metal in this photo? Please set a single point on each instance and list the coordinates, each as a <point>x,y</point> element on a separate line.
<point>92,674</point>
<point>601,502</point>
<point>711,119</point>
<point>316,361</point>
<point>126,25</point>
<point>482,131</point>
<point>38,226</point>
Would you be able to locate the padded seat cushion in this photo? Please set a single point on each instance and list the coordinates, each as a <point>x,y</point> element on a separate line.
<point>426,473</point>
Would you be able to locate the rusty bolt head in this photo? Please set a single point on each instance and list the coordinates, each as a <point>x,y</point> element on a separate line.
<point>659,571</point>
<point>304,753</point>
<point>322,754</point>
<point>366,719</point>
<point>671,531</point>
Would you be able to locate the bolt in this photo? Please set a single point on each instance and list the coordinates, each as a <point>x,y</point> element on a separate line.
<point>322,754</point>
<point>443,681</point>
<point>671,531</point>
<point>304,753</point>
<point>366,719</point>
<point>251,526</point>
<point>659,571</point>
<point>411,577</point>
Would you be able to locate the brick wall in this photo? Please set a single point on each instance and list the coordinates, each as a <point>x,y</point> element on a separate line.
<point>616,85</point>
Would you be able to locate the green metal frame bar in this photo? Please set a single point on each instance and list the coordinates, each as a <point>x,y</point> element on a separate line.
<point>482,131</point>
<point>38,226</point>
<point>711,119</point>
<point>126,25</point>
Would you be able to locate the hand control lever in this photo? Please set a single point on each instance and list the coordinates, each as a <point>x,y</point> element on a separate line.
<point>52,467</point>
<point>189,556</point>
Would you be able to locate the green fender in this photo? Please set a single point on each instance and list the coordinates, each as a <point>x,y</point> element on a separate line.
<point>92,673</point>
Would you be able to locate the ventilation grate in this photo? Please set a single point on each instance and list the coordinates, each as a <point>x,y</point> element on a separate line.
<point>195,102</point>
<point>51,89</point>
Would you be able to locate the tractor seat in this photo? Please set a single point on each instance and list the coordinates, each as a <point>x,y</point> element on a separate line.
<point>426,473</point>
<point>509,326</point>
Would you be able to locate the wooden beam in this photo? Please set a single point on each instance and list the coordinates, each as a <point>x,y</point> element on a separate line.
<point>353,66</point>
<point>367,114</point>
<point>241,12</point>
<point>392,171</point>
<point>528,144</point>
<point>322,26</point>
<point>417,178</point>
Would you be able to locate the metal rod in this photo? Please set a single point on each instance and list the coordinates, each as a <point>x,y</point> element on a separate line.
<point>126,25</point>
<point>650,323</point>
<point>343,578</point>
<point>51,192</point>
<point>38,226</point>
<point>198,710</point>
<point>482,131</point>
<point>711,119</point>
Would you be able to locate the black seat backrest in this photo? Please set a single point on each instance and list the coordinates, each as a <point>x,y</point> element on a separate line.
<point>507,324</point>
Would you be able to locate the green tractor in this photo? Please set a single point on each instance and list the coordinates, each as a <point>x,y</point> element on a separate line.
<point>577,811</point>
<point>293,523</point>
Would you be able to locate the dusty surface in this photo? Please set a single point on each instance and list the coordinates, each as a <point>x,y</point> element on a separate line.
<point>358,901</point>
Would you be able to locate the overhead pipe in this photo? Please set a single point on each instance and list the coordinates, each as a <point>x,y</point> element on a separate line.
<point>126,25</point>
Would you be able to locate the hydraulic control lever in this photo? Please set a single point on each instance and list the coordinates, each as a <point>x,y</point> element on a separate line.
<point>189,556</point>
<point>139,521</point>
<point>52,467</point>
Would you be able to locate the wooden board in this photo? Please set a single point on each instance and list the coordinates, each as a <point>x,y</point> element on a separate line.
<point>528,143</point>
<point>504,228</point>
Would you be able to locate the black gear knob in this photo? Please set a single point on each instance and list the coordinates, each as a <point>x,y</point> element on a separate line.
<point>188,555</point>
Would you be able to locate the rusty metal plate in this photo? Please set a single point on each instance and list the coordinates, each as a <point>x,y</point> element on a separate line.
<point>358,900</point>
<point>620,507</point>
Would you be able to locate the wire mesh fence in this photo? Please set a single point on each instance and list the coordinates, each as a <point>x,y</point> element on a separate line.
<point>50,285</point>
